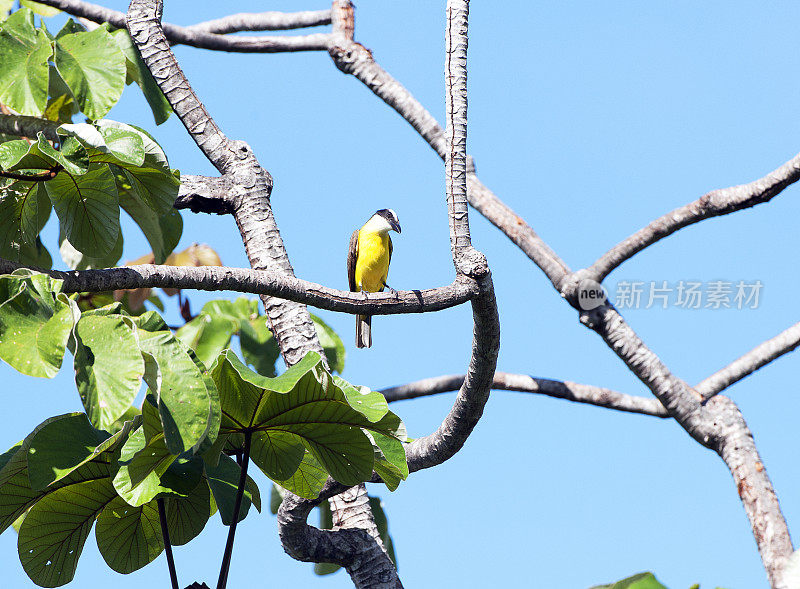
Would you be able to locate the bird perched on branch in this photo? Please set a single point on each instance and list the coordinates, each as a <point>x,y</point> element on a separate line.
<point>368,264</point>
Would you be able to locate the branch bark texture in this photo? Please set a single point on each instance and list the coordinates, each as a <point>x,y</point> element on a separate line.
<point>570,391</point>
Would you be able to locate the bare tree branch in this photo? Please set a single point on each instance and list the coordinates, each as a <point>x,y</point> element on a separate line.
<point>263,21</point>
<point>713,204</point>
<point>570,391</point>
<point>761,355</point>
<point>261,282</point>
<point>197,37</point>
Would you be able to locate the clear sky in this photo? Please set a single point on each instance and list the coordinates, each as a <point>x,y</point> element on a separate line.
<point>589,119</point>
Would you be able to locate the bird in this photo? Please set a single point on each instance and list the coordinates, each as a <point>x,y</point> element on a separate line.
<point>368,264</point>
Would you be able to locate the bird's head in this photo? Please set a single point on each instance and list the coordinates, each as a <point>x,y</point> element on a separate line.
<point>386,219</point>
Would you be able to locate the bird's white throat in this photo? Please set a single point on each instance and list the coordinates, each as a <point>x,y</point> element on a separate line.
<point>377,224</point>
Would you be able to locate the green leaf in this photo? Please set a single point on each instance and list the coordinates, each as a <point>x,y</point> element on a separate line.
<point>93,66</point>
<point>639,581</point>
<point>207,335</point>
<point>70,27</point>
<point>371,404</point>
<point>259,347</point>
<point>137,72</point>
<point>61,104</point>
<point>88,208</point>
<point>39,8</point>
<point>108,367</point>
<point>76,260</point>
<point>40,155</point>
<point>275,499</point>
<point>303,404</point>
<point>34,325</point>
<point>5,8</point>
<point>53,533</point>
<point>187,398</point>
<point>331,344</point>
<point>187,516</point>
<point>24,210</point>
<point>59,447</point>
<point>224,480</point>
<point>308,480</point>
<point>129,537</point>
<point>24,55</point>
<point>141,465</point>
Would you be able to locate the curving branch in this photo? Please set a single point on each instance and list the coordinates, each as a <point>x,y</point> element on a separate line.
<point>570,391</point>
<point>761,355</point>
<point>713,204</point>
<point>263,21</point>
<point>261,282</point>
<point>177,35</point>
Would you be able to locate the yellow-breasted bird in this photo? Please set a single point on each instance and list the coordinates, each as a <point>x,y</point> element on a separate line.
<point>368,263</point>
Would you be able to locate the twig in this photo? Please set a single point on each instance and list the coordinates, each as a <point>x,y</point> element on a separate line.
<point>237,506</point>
<point>197,37</point>
<point>162,517</point>
<point>263,21</point>
<point>761,355</point>
<point>578,393</point>
<point>713,204</point>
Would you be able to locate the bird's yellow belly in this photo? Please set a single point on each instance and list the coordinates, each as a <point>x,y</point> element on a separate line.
<point>372,265</point>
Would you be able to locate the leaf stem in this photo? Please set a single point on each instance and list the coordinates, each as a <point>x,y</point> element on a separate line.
<point>162,516</point>
<point>226,558</point>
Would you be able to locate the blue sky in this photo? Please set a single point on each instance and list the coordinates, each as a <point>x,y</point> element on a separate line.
<point>589,120</point>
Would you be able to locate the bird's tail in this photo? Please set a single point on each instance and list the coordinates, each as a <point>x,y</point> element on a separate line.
<point>363,331</point>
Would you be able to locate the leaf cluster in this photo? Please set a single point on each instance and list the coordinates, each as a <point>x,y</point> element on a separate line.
<point>113,463</point>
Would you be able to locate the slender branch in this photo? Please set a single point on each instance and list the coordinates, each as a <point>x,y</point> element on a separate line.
<point>237,506</point>
<point>713,204</point>
<point>197,37</point>
<point>455,84</point>
<point>578,393</point>
<point>162,517</point>
<point>39,177</point>
<point>261,282</point>
<point>761,355</point>
<point>263,21</point>
<point>25,126</point>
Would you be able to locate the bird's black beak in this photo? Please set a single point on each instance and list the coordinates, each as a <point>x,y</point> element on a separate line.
<point>395,225</point>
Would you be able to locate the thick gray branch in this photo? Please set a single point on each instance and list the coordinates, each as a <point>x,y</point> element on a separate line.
<point>24,126</point>
<point>761,355</point>
<point>261,282</point>
<point>263,21</point>
<point>250,185</point>
<point>713,204</point>
<point>570,391</point>
<point>198,38</point>
<point>718,425</point>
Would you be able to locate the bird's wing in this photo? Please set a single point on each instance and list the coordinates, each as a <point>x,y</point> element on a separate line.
<point>352,254</point>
